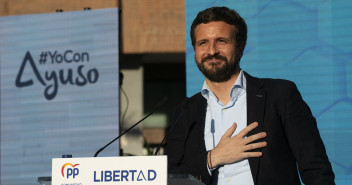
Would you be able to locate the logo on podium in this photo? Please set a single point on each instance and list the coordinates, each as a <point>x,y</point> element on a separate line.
<point>71,171</point>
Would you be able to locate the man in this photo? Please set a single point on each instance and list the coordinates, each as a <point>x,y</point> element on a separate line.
<point>240,129</point>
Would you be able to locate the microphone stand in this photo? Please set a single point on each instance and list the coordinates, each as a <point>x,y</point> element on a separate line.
<point>156,107</point>
<point>184,104</point>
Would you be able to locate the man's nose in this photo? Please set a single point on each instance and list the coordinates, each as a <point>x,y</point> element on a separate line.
<point>213,49</point>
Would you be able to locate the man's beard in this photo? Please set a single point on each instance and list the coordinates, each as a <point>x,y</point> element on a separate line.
<point>218,72</point>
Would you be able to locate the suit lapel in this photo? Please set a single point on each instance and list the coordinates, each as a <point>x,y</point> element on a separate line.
<point>197,123</point>
<point>256,96</point>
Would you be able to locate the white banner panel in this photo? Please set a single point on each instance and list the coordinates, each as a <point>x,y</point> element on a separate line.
<point>59,89</point>
<point>137,170</point>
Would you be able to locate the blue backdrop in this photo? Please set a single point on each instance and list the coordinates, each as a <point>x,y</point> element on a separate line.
<point>305,41</point>
<point>74,54</point>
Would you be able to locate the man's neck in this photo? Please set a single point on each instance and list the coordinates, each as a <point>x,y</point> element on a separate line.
<point>222,89</point>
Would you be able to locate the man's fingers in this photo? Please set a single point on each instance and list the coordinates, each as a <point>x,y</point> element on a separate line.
<point>252,154</point>
<point>254,146</point>
<point>246,130</point>
<point>254,137</point>
<point>230,131</point>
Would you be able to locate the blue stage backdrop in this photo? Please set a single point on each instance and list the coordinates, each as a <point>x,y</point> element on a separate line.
<point>307,42</point>
<point>59,90</point>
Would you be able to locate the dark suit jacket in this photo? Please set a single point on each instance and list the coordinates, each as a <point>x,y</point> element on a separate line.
<point>292,137</point>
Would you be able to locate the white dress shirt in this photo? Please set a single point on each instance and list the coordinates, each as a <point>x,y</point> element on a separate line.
<point>219,118</point>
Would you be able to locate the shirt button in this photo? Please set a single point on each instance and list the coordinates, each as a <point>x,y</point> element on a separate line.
<point>228,180</point>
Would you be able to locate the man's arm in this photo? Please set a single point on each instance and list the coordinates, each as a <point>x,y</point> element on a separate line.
<point>184,155</point>
<point>304,139</point>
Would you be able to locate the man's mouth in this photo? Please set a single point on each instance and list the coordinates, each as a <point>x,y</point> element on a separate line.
<point>214,60</point>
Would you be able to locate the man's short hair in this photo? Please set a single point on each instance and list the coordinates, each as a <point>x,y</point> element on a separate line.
<point>222,14</point>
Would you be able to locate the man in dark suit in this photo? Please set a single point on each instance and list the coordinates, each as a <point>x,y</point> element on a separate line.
<point>240,129</point>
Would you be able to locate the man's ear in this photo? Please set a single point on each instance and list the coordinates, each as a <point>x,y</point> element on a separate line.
<point>241,48</point>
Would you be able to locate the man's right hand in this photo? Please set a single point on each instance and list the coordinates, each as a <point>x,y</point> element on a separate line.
<point>231,149</point>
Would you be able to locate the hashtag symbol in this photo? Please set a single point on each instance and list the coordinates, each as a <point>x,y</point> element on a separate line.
<point>43,56</point>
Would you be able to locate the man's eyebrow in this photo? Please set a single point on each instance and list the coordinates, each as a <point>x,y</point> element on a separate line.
<point>224,38</point>
<point>202,40</point>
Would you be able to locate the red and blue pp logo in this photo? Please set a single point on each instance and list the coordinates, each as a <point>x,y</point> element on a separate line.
<point>70,170</point>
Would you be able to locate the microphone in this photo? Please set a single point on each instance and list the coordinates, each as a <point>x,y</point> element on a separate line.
<point>184,105</point>
<point>161,103</point>
<point>212,130</point>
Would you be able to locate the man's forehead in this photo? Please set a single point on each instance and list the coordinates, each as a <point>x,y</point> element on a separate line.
<point>214,26</point>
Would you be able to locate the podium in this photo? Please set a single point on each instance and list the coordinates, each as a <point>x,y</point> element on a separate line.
<point>173,179</point>
<point>132,170</point>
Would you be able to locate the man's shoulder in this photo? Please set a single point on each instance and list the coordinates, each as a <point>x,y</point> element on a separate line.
<point>197,99</point>
<point>270,83</point>
<point>277,82</point>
